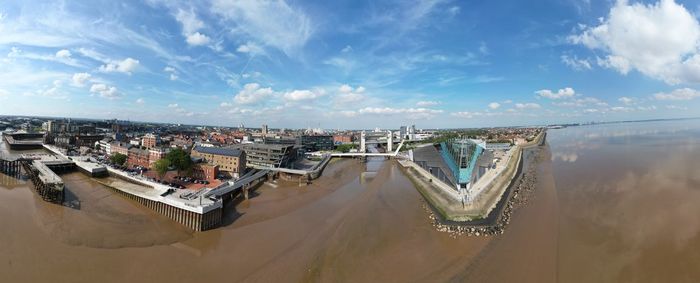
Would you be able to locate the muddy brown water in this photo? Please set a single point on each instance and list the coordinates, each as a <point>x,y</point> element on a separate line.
<point>613,203</point>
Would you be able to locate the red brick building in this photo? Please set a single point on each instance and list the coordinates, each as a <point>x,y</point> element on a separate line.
<point>205,171</point>
<point>154,155</point>
<point>120,147</point>
<point>342,139</point>
<point>150,140</point>
<point>138,157</point>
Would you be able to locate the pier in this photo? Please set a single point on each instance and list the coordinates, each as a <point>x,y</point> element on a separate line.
<point>11,167</point>
<point>46,183</point>
<point>23,140</point>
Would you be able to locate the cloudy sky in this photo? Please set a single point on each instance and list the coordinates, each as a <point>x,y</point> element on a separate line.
<point>351,64</point>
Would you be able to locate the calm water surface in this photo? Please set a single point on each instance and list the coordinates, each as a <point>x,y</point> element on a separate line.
<point>629,202</point>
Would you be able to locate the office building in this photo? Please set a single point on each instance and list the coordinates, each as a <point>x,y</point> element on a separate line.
<point>316,143</point>
<point>268,155</point>
<point>230,161</point>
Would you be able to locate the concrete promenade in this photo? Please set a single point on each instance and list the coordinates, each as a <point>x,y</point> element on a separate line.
<point>188,207</point>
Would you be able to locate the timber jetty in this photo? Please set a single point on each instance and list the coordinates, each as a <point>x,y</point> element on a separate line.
<point>46,183</point>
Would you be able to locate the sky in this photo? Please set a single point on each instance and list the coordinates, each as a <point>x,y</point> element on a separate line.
<point>351,64</point>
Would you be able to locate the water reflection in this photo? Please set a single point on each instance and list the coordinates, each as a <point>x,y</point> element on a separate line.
<point>628,196</point>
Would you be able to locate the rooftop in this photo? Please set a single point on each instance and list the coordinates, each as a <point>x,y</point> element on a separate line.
<point>219,151</point>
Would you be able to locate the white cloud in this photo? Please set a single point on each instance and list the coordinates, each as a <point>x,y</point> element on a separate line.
<point>349,94</point>
<point>340,62</point>
<point>627,100</point>
<point>494,105</point>
<point>414,113</point>
<point>454,10</point>
<point>465,114</point>
<point>251,48</point>
<point>298,95</point>
<point>188,19</point>
<point>126,66</point>
<point>389,110</point>
<point>79,79</point>
<point>346,49</point>
<point>252,93</point>
<point>53,91</point>
<point>173,72</point>
<point>659,40</point>
<point>483,49</point>
<point>581,102</point>
<point>562,93</point>
<point>427,103</point>
<point>469,115</point>
<point>576,63</point>
<point>140,101</point>
<point>675,107</point>
<point>678,94</point>
<point>527,106</point>
<point>63,54</point>
<point>251,75</point>
<point>345,88</point>
<point>105,91</point>
<point>94,55</point>
<point>196,39</point>
<point>173,105</point>
<point>225,104</point>
<point>191,26</point>
<point>288,30</point>
<point>621,109</point>
<point>347,113</point>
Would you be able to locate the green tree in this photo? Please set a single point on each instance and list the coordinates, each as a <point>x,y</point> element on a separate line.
<point>345,147</point>
<point>181,160</point>
<point>118,158</point>
<point>161,167</point>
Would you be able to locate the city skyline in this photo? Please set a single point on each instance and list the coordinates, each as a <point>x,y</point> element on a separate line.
<point>438,64</point>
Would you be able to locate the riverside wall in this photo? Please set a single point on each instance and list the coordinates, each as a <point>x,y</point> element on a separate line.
<point>486,213</point>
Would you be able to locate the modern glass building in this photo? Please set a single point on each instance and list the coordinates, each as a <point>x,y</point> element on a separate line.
<point>461,156</point>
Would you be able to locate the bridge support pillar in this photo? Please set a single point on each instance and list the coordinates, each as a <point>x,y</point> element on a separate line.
<point>389,142</point>
<point>363,139</point>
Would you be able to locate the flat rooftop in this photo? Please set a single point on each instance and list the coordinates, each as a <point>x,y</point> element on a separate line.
<point>219,151</point>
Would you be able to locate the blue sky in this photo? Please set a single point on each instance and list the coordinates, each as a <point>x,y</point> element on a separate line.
<point>351,64</point>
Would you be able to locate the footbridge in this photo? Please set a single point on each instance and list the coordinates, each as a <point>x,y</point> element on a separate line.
<point>312,173</point>
<point>370,154</point>
<point>228,190</point>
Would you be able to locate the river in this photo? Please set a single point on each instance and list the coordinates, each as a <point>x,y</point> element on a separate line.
<point>613,203</point>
